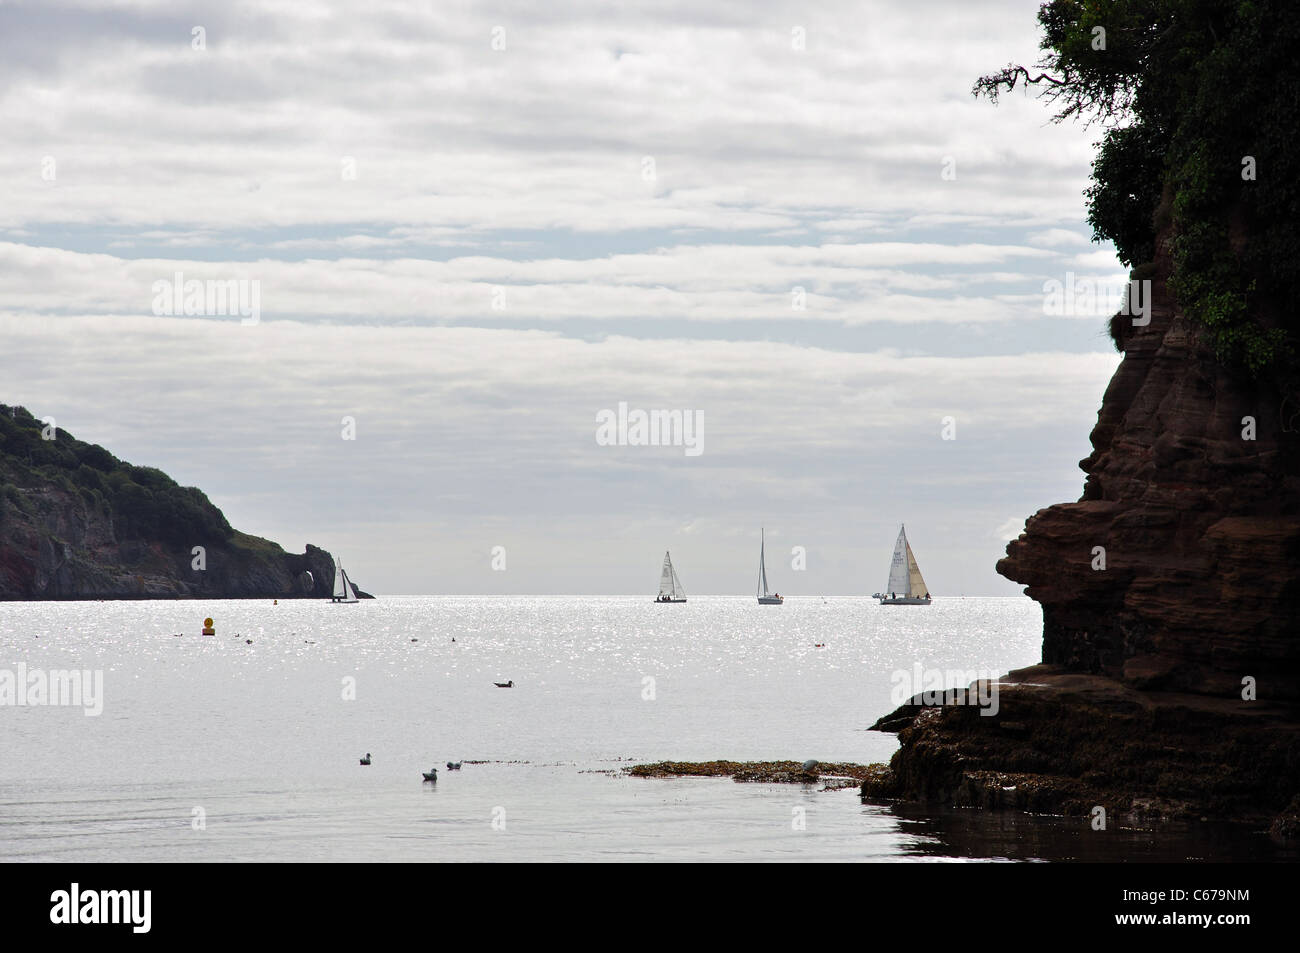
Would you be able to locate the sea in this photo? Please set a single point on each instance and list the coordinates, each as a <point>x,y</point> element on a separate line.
<point>245,745</point>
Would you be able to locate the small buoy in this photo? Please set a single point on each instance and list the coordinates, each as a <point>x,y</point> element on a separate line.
<point>207,627</point>
<point>415,640</point>
<point>248,641</point>
<point>275,602</point>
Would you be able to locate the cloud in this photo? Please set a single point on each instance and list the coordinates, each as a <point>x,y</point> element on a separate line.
<point>1010,530</point>
<point>459,425</point>
<point>472,250</point>
<point>853,284</point>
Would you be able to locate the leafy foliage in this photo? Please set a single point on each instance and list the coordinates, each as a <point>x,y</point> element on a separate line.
<point>143,502</point>
<point>1195,93</point>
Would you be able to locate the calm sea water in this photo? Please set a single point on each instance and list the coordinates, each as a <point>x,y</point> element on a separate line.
<point>261,741</point>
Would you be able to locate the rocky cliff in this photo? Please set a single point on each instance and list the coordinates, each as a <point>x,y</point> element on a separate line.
<point>1193,496</point>
<point>77,523</point>
<point>1171,630</point>
<point>1170,682</point>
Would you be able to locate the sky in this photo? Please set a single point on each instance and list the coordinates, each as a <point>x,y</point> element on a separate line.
<point>469,230</point>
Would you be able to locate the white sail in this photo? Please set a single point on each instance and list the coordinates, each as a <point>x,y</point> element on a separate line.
<point>343,591</point>
<point>762,563</point>
<point>669,584</point>
<point>899,576</point>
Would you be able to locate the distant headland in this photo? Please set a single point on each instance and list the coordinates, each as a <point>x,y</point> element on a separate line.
<point>78,523</point>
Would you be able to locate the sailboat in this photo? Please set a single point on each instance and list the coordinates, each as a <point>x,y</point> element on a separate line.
<point>343,591</point>
<point>764,597</point>
<point>906,586</point>
<point>670,587</point>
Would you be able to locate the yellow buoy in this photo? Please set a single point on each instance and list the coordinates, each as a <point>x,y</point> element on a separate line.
<point>207,627</point>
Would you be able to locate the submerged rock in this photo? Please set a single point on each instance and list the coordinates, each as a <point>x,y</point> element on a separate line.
<point>835,775</point>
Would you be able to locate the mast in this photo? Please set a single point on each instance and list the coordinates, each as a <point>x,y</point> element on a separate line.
<point>762,562</point>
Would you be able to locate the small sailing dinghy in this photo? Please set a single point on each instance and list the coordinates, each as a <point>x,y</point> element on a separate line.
<point>343,591</point>
<point>906,586</point>
<point>764,597</point>
<point>670,587</point>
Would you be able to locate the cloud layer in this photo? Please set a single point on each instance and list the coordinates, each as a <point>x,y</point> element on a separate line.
<point>472,231</point>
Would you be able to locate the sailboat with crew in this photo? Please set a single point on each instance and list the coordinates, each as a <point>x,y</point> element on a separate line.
<point>670,587</point>
<point>765,598</point>
<point>343,590</point>
<point>906,585</point>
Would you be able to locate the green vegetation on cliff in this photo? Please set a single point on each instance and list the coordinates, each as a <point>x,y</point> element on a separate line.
<point>1201,102</point>
<point>78,523</point>
<point>142,502</point>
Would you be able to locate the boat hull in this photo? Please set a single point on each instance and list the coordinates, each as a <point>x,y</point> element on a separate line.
<point>669,601</point>
<point>905,601</point>
<point>771,600</point>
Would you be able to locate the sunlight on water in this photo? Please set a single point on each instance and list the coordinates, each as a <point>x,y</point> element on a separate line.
<point>262,739</point>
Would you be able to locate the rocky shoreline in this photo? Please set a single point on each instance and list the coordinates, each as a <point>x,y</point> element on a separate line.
<point>1067,743</point>
<point>834,775</point>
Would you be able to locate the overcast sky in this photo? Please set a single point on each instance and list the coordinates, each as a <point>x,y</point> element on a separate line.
<point>474,227</point>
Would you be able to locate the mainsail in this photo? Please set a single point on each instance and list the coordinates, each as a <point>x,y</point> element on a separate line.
<point>669,584</point>
<point>762,565</point>
<point>904,575</point>
<point>343,591</point>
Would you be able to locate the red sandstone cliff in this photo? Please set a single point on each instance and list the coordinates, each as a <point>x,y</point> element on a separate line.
<point>1201,527</point>
<point>1201,531</point>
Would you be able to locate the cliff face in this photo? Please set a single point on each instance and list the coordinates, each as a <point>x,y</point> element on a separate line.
<point>77,523</point>
<point>1139,706</point>
<point>1200,526</point>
